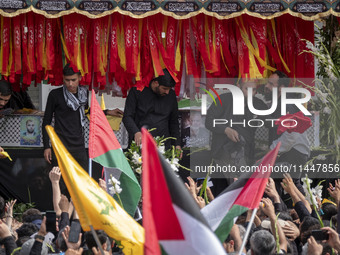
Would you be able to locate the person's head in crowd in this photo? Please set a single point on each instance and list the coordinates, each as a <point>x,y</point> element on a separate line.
<point>262,243</point>
<point>285,216</point>
<point>103,239</point>
<point>5,93</point>
<point>228,244</point>
<point>307,225</point>
<point>244,84</point>
<point>278,80</point>
<point>32,215</point>
<point>328,210</point>
<point>27,229</point>
<point>27,246</point>
<point>71,79</point>
<point>163,83</point>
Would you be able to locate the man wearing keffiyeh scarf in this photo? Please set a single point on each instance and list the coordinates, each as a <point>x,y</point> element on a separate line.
<point>67,104</point>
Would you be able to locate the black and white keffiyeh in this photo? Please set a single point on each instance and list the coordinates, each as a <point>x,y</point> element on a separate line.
<point>74,103</point>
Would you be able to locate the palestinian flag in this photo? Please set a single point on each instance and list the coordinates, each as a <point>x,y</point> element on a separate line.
<point>239,197</point>
<point>105,149</point>
<point>171,217</point>
<point>95,207</point>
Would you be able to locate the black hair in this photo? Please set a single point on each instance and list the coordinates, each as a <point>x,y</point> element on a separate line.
<point>285,216</point>
<point>31,214</point>
<point>5,88</point>
<point>68,70</point>
<point>307,222</point>
<point>166,79</point>
<point>27,229</point>
<point>329,210</point>
<point>91,242</point>
<point>283,78</point>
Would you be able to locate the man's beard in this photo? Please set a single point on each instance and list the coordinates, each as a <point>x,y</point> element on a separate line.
<point>268,95</point>
<point>157,91</point>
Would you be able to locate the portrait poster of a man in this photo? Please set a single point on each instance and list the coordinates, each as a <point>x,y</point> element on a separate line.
<point>29,130</point>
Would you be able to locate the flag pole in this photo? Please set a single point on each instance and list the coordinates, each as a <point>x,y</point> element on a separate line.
<point>248,231</point>
<point>90,167</point>
<point>97,240</point>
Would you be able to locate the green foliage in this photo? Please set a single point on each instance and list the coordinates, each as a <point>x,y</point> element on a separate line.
<point>327,87</point>
<point>20,208</point>
<point>134,155</point>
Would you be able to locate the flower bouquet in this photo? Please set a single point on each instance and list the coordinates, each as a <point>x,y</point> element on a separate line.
<point>327,95</point>
<point>172,155</point>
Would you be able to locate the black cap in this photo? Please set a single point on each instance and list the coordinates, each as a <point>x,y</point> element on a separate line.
<point>166,79</point>
<point>68,70</point>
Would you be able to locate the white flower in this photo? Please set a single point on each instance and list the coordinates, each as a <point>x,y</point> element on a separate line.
<point>115,186</point>
<point>310,46</point>
<point>303,179</point>
<point>330,73</point>
<point>317,191</point>
<point>136,158</point>
<point>327,110</point>
<point>321,157</point>
<point>139,170</point>
<point>161,149</point>
<point>173,166</point>
<point>323,97</point>
<point>304,186</point>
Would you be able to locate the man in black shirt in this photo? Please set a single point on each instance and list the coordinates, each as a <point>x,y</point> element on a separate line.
<point>153,107</point>
<point>13,100</point>
<point>67,104</point>
<point>295,147</point>
<point>232,143</point>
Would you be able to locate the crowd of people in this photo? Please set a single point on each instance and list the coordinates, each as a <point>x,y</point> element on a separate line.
<point>32,234</point>
<point>285,223</point>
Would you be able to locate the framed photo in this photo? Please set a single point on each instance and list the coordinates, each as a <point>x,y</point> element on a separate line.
<point>30,130</point>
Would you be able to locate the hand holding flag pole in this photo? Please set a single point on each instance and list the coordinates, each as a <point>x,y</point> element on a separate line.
<point>267,161</point>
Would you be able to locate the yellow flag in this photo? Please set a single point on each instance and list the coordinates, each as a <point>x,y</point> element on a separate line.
<point>6,155</point>
<point>95,206</point>
<point>102,103</point>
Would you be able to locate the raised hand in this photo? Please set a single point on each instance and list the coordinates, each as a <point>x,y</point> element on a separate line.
<point>314,248</point>
<point>55,174</point>
<point>334,191</point>
<point>102,184</point>
<point>192,187</point>
<point>65,234</point>
<point>288,184</point>
<point>271,191</point>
